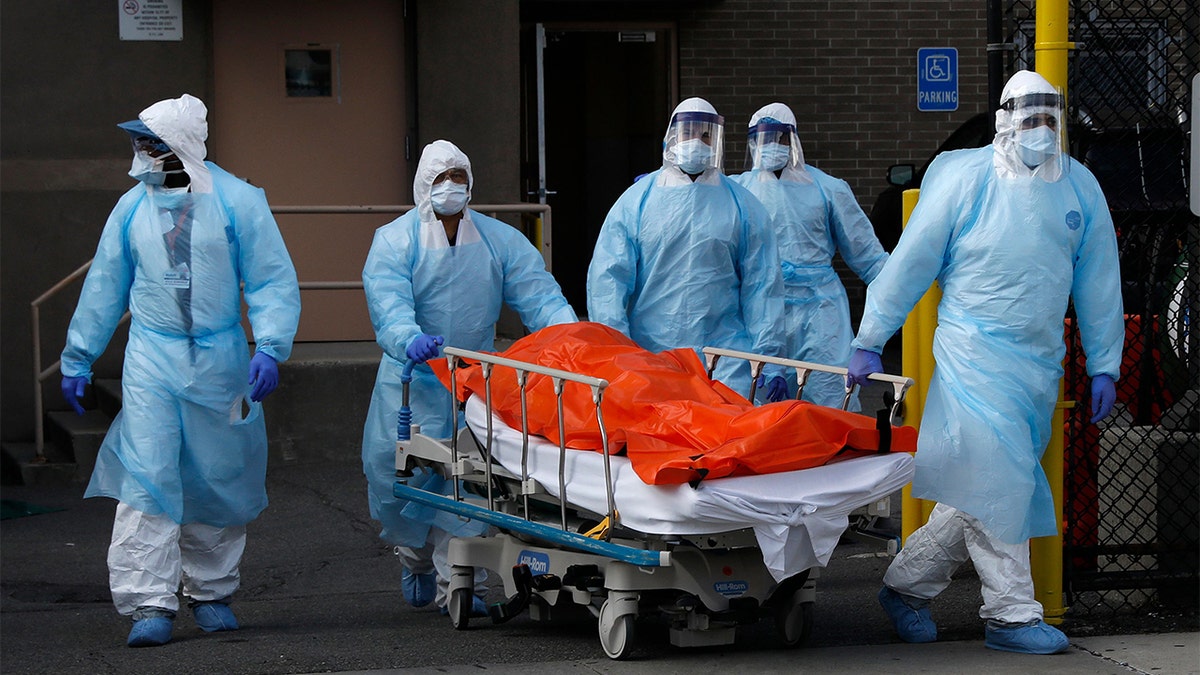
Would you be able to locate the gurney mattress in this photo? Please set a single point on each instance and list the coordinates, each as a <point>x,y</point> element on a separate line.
<point>797,516</point>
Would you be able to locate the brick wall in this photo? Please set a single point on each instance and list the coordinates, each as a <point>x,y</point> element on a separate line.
<point>847,68</point>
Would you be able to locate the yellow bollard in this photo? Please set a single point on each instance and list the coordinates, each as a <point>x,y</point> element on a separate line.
<point>917,363</point>
<point>1046,553</point>
<point>1051,45</point>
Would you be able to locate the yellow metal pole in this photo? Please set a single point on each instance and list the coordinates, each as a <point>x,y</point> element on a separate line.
<point>1046,553</point>
<point>917,363</point>
<point>1050,44</point>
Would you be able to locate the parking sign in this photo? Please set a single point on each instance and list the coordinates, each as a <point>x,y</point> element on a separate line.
<point>937,79</point>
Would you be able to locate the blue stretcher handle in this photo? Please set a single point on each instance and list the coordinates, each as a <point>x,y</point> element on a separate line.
<point>404,416</point>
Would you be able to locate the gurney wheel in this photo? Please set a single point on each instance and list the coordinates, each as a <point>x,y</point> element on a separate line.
<point>793,621</point>
<point>616,632</point>
<point>459,607</point>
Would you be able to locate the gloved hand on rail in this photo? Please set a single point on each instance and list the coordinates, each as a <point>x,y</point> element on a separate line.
<point>424,347</point>
<point>264,376</point>
<point>1104,395</point>
<point>73,389</point>
<point>777,388</point>
<point>862,364</point>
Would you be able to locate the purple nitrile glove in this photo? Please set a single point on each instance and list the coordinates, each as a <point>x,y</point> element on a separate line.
<point>424,347</point>
<point>1104,395</point>
<point>73,389</point>
<point>777,389</point>
<point>862,364</point>
<point>264,376</point>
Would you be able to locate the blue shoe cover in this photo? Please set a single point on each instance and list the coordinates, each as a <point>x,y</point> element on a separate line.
<point>150,632</point>
<point>214,616</point>
<point>419,589</point>
<point>910,616</point>
<point>1035,637</point>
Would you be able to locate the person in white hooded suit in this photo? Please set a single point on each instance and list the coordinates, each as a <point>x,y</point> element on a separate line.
<point>1011,232</point>
<point>186,456</point>
<point>686,257</point>
<point>434,277</point>
<point>815,217</point>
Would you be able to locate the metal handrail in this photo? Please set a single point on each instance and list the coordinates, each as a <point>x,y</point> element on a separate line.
<point>40,375</point>
<point>543,238</point>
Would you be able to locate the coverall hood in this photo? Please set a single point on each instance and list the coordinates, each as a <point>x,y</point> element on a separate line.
<point>1028,95</point>
<point>182,123</point>
<point>767,120</point>
<point>694,141</point>
<point>437,157</point>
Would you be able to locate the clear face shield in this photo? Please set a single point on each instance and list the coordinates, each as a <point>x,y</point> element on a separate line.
<point>694,142</point>
<point>1035,137</point>
<point>772,146</point>
<point>153,160</point>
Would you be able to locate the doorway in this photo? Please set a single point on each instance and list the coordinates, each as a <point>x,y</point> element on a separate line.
<point>608,91</point>
<point>309,104</point>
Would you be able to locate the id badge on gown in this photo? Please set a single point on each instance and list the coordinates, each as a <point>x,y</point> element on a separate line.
<point>178,276</point>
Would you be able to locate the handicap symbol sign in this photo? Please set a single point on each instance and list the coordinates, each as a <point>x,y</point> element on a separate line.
<point>937,68</point>
<point>937,79</point>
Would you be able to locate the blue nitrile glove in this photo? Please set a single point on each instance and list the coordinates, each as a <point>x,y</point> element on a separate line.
<point>777,389</point>
<point>72,389</point>
<point>424,347</point>
<point>1104,395</point>
<point>264,375</point>
<point>862,364</point>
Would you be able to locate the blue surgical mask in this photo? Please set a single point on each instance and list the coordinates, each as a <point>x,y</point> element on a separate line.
<point>1036,145</point>
<point>147,169</point>
<point>773,156</point>
<point>693,156</point>
<point>448,197</point>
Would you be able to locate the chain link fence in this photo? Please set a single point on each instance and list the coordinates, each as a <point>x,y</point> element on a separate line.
<point>1131,518</point>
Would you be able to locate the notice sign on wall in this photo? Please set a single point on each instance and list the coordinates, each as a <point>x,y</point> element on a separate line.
<point>150,19</point>
<point>937,79</point>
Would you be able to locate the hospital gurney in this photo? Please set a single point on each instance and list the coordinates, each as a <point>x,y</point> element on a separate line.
<point>727,551</point>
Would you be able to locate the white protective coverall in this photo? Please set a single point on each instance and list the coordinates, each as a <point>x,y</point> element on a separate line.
<point>186,457</point>
<point>814,217</point>
<point>417,282</point>
<point>690,263</point>
<point>1009,245</point>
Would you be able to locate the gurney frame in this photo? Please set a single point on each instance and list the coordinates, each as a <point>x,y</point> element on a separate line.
<point>612,571</point>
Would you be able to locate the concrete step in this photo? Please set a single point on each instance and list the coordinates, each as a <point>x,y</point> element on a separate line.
<point>21,466</point>
<point>76,439</point>
<point>318,411</point>
<point>108,395</point>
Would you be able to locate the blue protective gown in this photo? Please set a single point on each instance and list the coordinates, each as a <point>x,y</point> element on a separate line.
<point>813,221</point>
<point>1008,254</point>
<point>188,442</point>
<point>690,264</point>
<point>417,283</point>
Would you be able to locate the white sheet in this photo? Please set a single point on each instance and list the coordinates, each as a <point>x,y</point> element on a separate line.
<point>797,516</point>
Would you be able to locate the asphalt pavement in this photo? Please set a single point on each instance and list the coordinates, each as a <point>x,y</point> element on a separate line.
<point>320,593</point>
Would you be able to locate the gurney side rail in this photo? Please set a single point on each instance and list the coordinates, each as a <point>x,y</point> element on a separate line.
<point>558,377</point>
<point>639,557</point>
<point>900,384</point>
